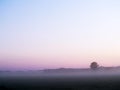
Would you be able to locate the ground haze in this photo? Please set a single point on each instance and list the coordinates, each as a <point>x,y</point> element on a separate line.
<point>95,80</point>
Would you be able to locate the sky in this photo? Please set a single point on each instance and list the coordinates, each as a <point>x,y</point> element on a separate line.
<point>39,34</point>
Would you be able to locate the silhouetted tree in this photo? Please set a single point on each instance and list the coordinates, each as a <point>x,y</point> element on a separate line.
<point>94,65</point>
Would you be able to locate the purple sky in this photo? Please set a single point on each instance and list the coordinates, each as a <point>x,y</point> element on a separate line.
<point>38,34</point>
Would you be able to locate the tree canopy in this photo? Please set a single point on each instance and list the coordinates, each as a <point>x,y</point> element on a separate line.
<point>94,65</point>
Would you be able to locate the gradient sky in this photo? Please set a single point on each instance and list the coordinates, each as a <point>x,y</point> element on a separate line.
<point>38,34</point>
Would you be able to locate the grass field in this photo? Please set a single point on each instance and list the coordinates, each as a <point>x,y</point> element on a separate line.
<point>58,81</point>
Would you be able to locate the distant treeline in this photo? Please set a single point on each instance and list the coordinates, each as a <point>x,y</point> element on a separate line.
<point>82,69</point>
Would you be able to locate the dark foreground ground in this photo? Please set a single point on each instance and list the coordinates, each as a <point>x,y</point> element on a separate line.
<point>60,82</point>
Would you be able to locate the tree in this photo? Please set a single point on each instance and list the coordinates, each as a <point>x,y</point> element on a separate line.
<point>94,65</point>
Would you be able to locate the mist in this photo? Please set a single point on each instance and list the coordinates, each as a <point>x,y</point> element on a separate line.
<point>43,73</point>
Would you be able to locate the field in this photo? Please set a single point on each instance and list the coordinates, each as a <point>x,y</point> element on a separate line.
<point>59,81</point>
